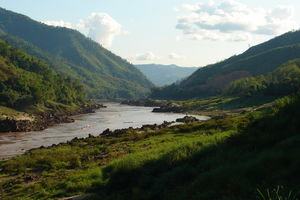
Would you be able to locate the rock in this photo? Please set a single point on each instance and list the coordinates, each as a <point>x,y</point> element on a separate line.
<point>29,178</point>
<point>46,119</point>
<point>170,107</point>
<point>144,102</point>
<point>187,119</point>
<point>106,132</point>
<point>11,125</point>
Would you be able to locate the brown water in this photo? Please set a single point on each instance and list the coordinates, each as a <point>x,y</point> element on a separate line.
<point>115,116</point>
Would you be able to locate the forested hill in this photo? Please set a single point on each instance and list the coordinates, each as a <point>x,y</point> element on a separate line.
<point>257,60</point>
<point>162,75</point>
<point>26,81</point>
<point>104,74</point>
<point>285,80</point>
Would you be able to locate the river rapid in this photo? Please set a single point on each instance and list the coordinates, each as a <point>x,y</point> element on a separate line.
<point>115,116</point>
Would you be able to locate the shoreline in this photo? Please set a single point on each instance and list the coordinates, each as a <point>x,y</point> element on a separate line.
<point>45,120</point>
<point>108,133</point>
<point>166,106</point>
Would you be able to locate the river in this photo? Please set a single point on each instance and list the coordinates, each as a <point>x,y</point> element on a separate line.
<point>115,116</point>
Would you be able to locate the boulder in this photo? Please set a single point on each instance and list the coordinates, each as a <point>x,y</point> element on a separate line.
<point>187,119</point>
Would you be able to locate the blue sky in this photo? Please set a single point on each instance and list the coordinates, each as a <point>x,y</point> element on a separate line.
<point>183,32</point>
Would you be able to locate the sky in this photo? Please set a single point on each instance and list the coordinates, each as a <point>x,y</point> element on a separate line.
<point>182,32</point>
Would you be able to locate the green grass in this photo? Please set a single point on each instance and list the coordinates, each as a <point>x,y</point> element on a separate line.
<point>6,112</point>
<point>223,104</point>
<point>277,193</point>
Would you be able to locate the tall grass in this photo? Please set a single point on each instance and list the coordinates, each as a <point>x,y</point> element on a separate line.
<point>277,193</point>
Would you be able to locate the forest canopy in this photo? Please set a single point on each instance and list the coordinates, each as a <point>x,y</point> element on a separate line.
<point>25,81</point>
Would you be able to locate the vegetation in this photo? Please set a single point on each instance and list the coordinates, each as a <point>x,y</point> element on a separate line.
<point>277,193</point>
<point>214,79</point>
<point>67,51</point>
<point>26,81</point>
<point>228,158</point>
<point>283,81</point>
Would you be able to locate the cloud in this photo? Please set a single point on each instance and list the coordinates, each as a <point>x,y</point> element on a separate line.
<point>187,7</point>
<point>234,21</point>
<point>102,28</point>
<point>148,56</point>
<point>174,56</point>
<point>59,23</point>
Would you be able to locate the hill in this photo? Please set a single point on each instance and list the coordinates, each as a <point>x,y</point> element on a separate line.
<point>162,75</point>
<point>104,74</point>
<point>214,79</point>
<point>26,81</point>
<point>283,81</point>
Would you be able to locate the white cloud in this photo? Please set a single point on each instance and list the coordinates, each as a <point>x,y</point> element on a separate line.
<point>234,21</point>
<point>175,56</point>
<point>187,7</point>
<point>102,28</point>
<point>148,56</point>
<point>59,23</point>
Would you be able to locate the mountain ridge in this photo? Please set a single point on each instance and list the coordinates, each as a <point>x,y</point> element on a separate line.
<point>104,74</point>
<point>213,79</point>
<point>162,75</point>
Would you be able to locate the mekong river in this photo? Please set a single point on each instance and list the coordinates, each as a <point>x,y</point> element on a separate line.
<point>115,116</point>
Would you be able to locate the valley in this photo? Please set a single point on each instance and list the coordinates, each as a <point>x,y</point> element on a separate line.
<point>80,121</point>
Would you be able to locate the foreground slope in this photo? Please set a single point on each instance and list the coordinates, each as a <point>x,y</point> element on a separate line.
<point>162,75</point>
<point>104,74</point>
<point>258,60</point>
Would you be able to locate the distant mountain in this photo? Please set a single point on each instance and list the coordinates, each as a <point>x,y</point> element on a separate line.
<point>26,81</point>
<point>214,79</point>
<point>162,75</point>
<point>103,74</point>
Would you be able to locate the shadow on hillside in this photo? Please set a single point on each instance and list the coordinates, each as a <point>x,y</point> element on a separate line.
<point>242,102</point>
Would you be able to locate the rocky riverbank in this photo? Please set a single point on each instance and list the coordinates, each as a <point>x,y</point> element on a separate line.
<point>170,107</point>
<point>148,128</point>
<point>145,102</point>
<point>161,105</point>
<point>42,121</point>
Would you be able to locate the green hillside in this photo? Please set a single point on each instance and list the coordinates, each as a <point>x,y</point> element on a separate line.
<point>213,79</point>
<point>26,81</point>
<point>162,75</point>
<point>104,74</point>
<point>282,81</point>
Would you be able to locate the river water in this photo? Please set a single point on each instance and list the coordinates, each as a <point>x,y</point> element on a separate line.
<point>115,116</point>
